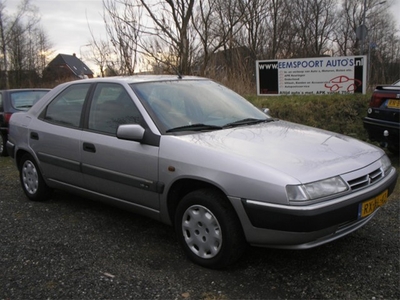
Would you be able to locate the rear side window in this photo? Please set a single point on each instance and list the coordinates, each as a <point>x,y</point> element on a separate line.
<point>66,108</point>
<point>23,100</point>
<point>1,103</point>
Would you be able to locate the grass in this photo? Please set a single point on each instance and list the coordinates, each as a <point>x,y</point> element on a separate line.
<point>337,113</point>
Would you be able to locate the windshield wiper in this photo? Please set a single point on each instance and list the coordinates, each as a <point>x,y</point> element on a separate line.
<point>195,127</point>
<point>247,121</point>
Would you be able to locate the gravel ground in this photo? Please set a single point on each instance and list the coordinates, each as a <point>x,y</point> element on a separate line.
<point>73,248</point>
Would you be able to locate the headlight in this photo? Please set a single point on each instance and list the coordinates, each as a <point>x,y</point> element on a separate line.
<point>315,190</point>
<point>386,164</point>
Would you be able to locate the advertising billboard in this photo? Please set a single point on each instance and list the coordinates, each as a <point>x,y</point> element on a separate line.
<point>312,76</point>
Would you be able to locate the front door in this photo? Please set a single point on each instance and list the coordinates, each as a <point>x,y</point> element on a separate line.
<point>125,170</point>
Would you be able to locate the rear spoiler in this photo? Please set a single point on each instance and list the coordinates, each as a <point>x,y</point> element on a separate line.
<point>388,87</point>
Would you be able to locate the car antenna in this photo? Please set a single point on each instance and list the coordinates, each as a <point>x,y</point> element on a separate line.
<point>177,72</point>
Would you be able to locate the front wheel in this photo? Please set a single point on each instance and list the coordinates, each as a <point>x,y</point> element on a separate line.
<point>31,180</point>
<point>209,230</point>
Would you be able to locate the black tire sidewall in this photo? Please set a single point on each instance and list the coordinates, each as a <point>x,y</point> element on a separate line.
<point>4,141</point>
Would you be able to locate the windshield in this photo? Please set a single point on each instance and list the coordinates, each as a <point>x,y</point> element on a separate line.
<point>23,100</point>
<point>195,105</point>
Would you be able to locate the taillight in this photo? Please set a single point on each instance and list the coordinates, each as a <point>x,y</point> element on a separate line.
<point>378,98</point>
<point>7,117</point>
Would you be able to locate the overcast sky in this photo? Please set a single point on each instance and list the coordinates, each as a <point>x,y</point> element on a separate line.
<point>66,22</point>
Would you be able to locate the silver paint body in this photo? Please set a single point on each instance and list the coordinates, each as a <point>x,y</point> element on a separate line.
<point>250,164</point>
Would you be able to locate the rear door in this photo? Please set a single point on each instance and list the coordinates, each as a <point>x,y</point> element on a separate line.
<point>55,136</point>
<point>122,169</point>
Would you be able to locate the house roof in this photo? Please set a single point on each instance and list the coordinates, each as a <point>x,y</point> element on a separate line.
<point>76,66</point>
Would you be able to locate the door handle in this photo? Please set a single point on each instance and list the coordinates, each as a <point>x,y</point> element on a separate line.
<point>34,136</point>
<point>88,147</point>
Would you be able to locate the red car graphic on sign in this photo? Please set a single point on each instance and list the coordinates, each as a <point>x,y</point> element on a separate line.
<point>343,82</point>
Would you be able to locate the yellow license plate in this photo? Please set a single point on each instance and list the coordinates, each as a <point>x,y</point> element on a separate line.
<point>368,207</point>
<point>393,103</point>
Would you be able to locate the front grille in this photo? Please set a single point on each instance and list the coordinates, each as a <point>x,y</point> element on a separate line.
<point>365,180</point>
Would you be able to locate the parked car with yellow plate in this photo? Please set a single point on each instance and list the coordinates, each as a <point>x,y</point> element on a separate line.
<point>383,120</point>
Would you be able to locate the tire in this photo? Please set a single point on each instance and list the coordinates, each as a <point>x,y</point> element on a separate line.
<point>209,230</point>
<point>3,141</point>
<point>31,180</point>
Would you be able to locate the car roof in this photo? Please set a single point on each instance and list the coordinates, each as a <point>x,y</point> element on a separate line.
<point>141,78</point>
<point>26,89</point>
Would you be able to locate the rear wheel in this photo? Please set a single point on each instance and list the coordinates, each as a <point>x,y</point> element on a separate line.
<point>31,180</point>
<point>3,141</point>
<point>209,230</point>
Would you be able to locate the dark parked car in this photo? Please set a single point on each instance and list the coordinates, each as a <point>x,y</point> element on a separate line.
<point>12,101</point>
<point>383,119</point>
<point>193,154</point>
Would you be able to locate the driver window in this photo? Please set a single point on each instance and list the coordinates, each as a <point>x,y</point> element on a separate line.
<point>112,106</point>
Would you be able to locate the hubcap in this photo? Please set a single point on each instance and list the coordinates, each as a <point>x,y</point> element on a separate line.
<point>30,177</point>
<point>201,231</point>
<point>1,144</point>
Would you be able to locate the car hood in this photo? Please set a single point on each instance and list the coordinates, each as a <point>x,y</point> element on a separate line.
<point>304,153</point>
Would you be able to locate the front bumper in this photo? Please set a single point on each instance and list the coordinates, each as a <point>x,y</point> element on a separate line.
<point>301,227</point>
<point>376,129</point>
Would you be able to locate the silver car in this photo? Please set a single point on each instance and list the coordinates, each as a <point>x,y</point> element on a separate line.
<point>193,154</point>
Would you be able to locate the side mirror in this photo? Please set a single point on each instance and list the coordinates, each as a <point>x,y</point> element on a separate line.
<point>267,112</point>
<point>131,132</point>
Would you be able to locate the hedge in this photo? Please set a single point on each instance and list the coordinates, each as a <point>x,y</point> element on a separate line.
<point>337,113</point>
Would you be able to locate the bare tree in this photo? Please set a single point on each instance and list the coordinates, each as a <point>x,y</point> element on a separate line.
<point>255,25</point>
<point>101,55</point>
<point>382,42</point>
<point>123,23</point>
<point>383,47</point>
<point>314,22</point>
<point>20,38</point>
<point>43,49</point>
<point>201,36</point>
<point>205,24</point>
<point>217,30</point>
<point>348,19</point>
<point>101,52</point>
<point>171,27</point>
